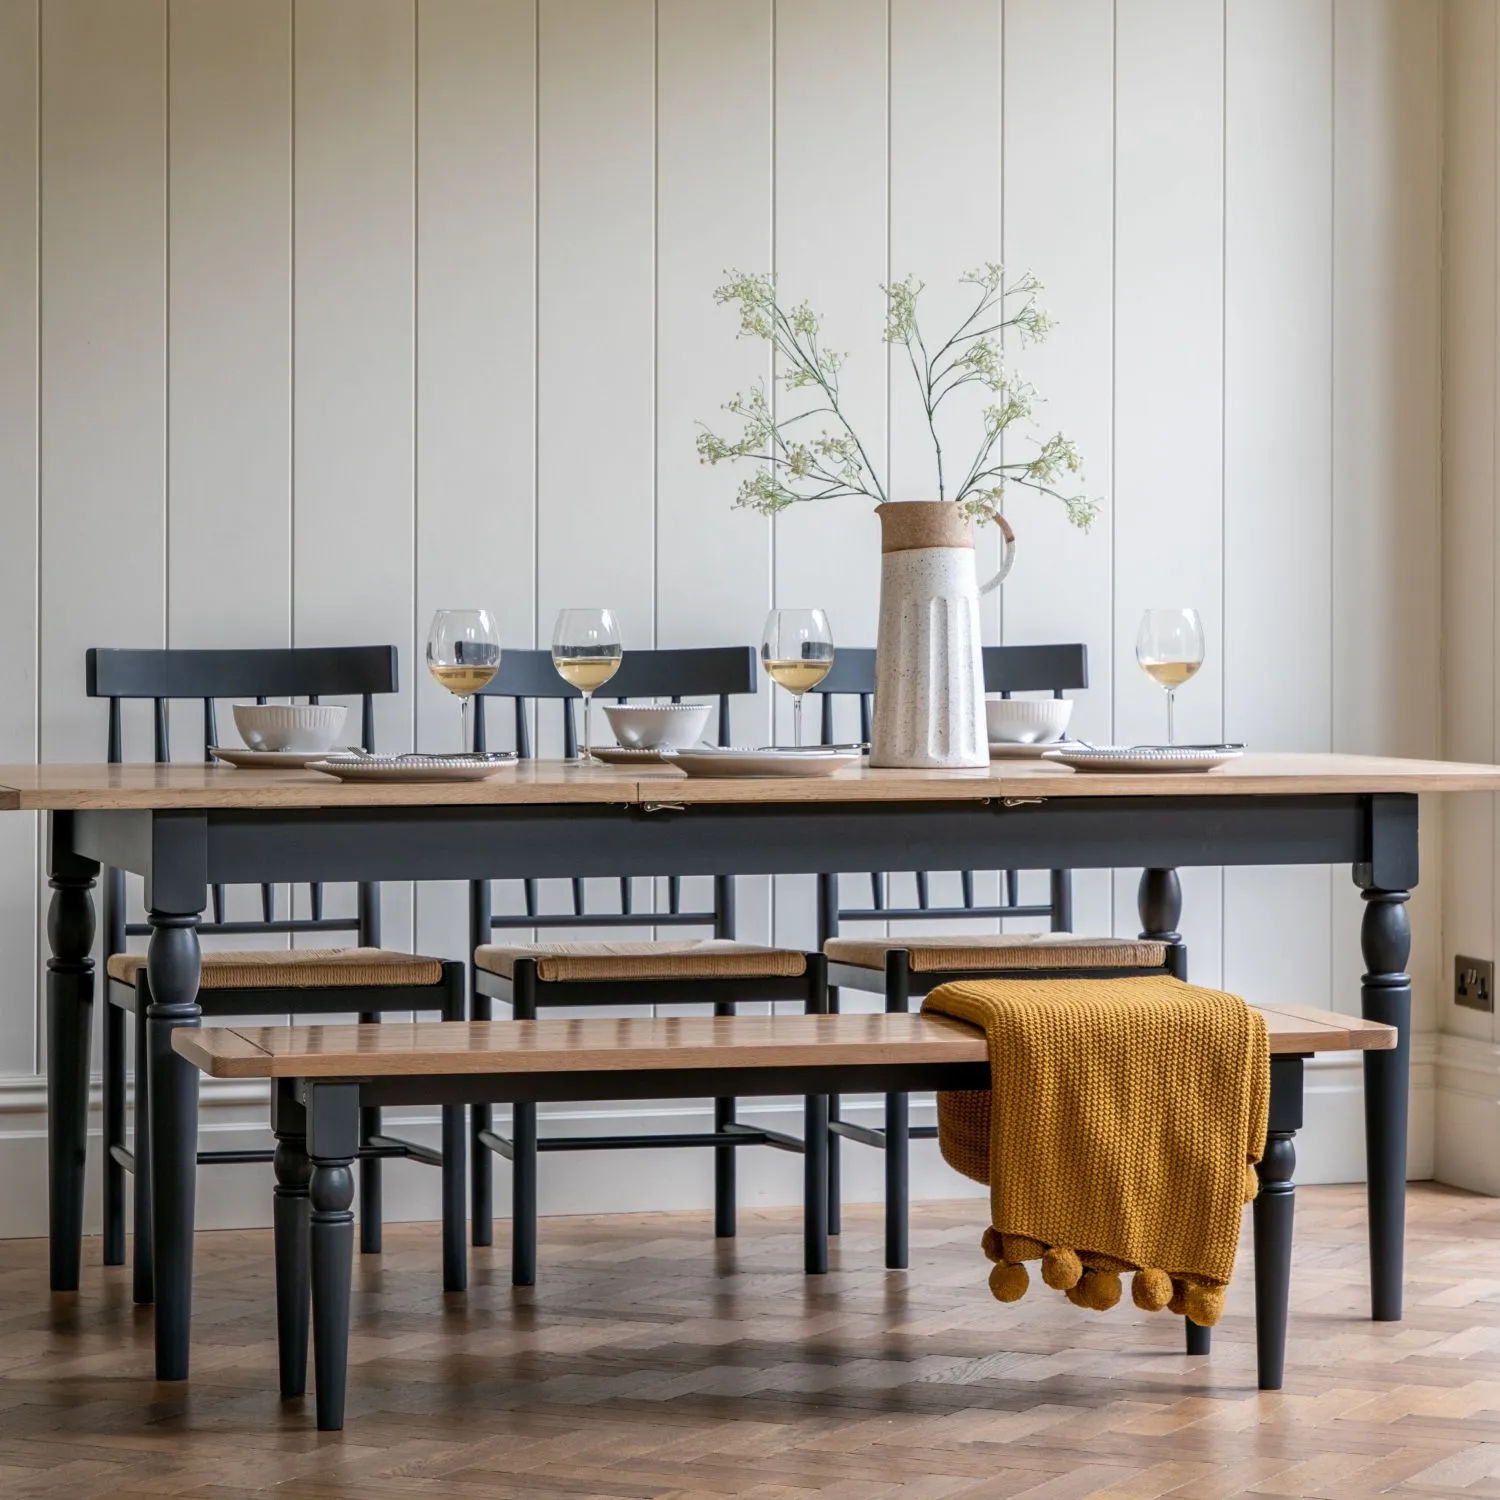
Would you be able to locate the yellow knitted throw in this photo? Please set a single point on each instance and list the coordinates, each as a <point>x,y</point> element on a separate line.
<point>1119,1134</point>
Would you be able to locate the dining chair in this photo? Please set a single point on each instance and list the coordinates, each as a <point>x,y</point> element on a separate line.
<point>365,980</point>
<point>902,968</point>
<point>529,977</point>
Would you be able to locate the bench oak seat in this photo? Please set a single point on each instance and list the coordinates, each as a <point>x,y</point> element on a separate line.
<point>608,1044</point>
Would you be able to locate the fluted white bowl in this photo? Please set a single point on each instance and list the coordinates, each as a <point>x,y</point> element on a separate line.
<point>1027,721</point>
<point>289,726</point>
<point>658,726</point>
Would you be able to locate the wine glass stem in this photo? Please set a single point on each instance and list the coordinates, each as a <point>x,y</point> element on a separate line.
<point>588,728</point>
<point>1171,699</point>
<point>464,743</point>
<point>797,720</point>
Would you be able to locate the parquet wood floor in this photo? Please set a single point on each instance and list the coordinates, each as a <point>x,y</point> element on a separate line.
<point>651,1362</point>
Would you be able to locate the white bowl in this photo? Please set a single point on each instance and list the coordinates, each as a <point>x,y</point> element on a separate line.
<point>658,726</point>
<point>289,726</point>
<point>1027,721</point>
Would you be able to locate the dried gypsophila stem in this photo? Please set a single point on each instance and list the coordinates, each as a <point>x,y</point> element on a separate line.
<point>793,468</point>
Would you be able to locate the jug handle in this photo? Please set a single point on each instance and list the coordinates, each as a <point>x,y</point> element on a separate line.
<point>1007,556</point>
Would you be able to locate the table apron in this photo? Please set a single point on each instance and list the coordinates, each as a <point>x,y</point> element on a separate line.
<point>1376,832</point>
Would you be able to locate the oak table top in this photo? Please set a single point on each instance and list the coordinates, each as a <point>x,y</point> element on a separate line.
<point>182,785</point>
<point>610,1044</point>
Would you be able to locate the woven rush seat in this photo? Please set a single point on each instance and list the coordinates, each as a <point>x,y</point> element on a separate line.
<point>297,968</point>
<point>707,958</point>
<point>1008,950</point>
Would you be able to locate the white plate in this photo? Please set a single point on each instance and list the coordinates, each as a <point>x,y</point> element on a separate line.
<point>410,768</point>
<point>713,761</point>
<point>1009,750</point>
<point>267,760</point>
<point>619,755</point>
<point>1143,757</point>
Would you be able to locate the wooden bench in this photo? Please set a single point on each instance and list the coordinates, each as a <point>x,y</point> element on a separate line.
<point>323,1075</point>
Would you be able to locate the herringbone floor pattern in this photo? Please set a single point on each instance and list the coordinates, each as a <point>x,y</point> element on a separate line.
<point>653,1363</point>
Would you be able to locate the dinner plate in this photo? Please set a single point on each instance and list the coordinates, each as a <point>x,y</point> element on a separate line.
<point>780,761</point>
<point>1144,757</point>
<point>267,760</point>
<point>412,768</point>
<point>619,755</point>
<point>1010,750</point>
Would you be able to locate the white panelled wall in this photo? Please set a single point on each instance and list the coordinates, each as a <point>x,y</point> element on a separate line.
<point>320,314</point>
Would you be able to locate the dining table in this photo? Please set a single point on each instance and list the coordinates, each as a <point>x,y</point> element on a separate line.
<point>186,828</point>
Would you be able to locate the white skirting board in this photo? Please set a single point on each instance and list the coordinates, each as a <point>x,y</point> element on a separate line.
<point>1468,1114</point>
<point>1330,1148</point>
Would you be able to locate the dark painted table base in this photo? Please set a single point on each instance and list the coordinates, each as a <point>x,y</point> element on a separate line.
<point>182,852</point>
<point>317,1136</point>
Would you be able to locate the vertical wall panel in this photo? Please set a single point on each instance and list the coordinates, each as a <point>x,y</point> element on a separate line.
<point>713,164</point>
<point>1386,428</point>
<point>944,223</point>
<point>103,193</point>
<point>353,517</point>
<point>1278,391</point>
<point>1059,222</point>
<point>1470,400</point>
<point>595,311</point>
<point>229,306</point>
<point>831,227</point>
<point>19,412</point>
<point>1168,371</point>
<point>944,213</point>
<point>476,354</point>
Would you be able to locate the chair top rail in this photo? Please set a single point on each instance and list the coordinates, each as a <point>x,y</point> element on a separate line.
<point>610,1044</point>
<point>1007,669</point>
<point>669,672</point>
<point>279,672</point>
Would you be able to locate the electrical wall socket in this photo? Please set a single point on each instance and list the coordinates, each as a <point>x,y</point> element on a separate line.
<point>1474,983</point>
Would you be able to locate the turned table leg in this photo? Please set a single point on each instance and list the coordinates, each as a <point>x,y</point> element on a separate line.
<point>70,1010</point>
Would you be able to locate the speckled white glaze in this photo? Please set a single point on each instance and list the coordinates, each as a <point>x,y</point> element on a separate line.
<point>929,676</point>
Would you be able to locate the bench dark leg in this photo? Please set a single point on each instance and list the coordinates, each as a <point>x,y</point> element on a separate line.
<point>523,1195</point>
<point>173,965</point>
<point>455,1156</point>
<point>897,1138</point>
<point>815,1138</point>
<point>455,1171</point>
<point>70,1013</point>
<point>523,1147</point>
<point>1273,1222</point>
<point>333,1131</point>
<point>290,1204</point>
<point>142,1270</point>
<point>1273,1257</point>
<point>724,1156</point>
<point>1199,1340</point>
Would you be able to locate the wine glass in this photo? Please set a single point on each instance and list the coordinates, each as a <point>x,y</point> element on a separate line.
<point>586,653</point>
<point>797,650</point>
<point>463,653</point>
<point>1169,647</point>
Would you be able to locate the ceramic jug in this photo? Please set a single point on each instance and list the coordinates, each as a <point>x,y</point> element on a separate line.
<point>929,675</point>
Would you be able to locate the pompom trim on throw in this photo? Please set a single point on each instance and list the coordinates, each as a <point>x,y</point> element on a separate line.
<point>1093,1281</point>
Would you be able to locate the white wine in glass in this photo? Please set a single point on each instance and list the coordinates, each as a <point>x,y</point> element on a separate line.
<point>463,654</point>
<point>797,653</point>
<point>1169,647</point>
<point>586,652</point>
